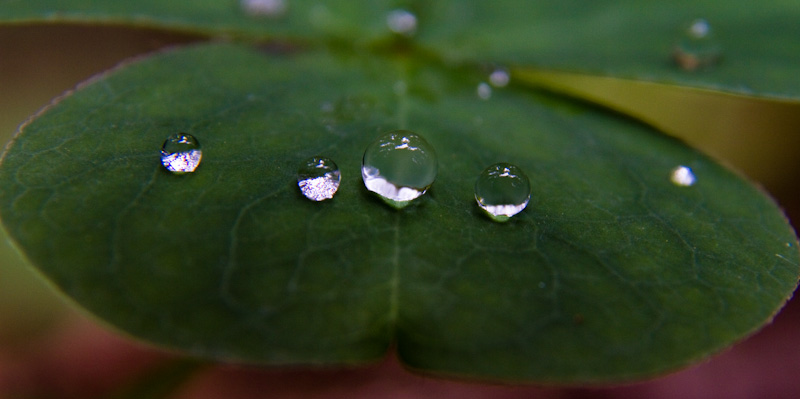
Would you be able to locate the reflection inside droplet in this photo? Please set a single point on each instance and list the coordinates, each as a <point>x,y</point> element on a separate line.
<point>399,166</point>
<point>502,191</point>
<point>318,178</point>
<point>402,22</point>
<point>683,176</point>
<point>181,153</point>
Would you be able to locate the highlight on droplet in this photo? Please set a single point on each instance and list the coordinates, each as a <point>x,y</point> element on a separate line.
<point>683,176</point>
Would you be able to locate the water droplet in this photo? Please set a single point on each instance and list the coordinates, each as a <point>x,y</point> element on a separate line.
<point>697,47</point>
<point>181,153</point>
<point>318,178</point>
<point>326,107</point>
<point>399,166</point>
<point>502,190</point>
<point>499,78</point>
<point>402,22</point>
<point>682,176</point>
<point>484,91</point>
<point>320,16</point>
<point>264,8</point>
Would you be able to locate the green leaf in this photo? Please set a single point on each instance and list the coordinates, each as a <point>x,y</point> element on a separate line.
<point>756,135</point>
<point>299,19</point>
<point>632,39</point>
<point>611,273</point>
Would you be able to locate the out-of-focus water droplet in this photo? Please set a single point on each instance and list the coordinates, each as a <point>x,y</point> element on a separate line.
<point>502,191</point>
<point>484,91</point>
<point>402,22</point>
<point>697,47</point>
<point>400,88</point>
<point>318,178</point>
<point>181,153</point>
<point>499,77</point>
<point>326,107</point>
<point>264,8</point>
<point>683,176</point>
<point>320,16</point>
<point>399,166</point>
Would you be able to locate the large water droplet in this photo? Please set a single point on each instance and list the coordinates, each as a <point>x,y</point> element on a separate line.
<point>181,153</point>
<point>399,166</point>
<point>697,48</point>
<point>264,8</point>
<point>499,77</point>
<point>502,191</point>
<point>683,176</point>
<point>402,22</point>
<point>318,178</point>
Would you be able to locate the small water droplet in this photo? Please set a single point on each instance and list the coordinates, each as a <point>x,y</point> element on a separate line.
<point>683,176</point>
<point>326,107</point>
<point>502,191</point>
<point>181,153</point>
<point>320,16</point>
<point>697,48</point>
<point>499,77</point>
<point>318,178</point>
<point>402,22</point>
<point>484,91</point>
<point>399,166</point>
<point>542,284</point>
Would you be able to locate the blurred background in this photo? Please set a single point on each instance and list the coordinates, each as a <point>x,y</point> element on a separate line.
<point>50,349</point>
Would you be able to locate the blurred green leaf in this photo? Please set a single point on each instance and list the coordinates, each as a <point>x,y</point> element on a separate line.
<point>633,39</point>
<point>612,273</point>
<point>755,135</point>
<point>362,19</point>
